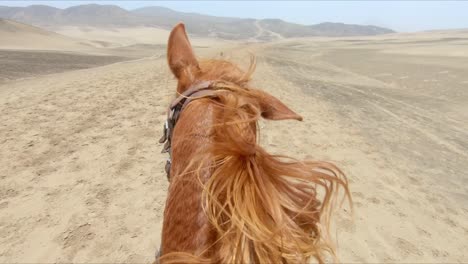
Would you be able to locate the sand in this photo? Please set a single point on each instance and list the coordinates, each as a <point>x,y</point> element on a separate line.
<point>82,177</point>
<point>122,36</point>
<point>18,36</point>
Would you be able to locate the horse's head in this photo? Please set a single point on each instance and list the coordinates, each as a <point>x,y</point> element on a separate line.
<point>188,71</point>
<point>229,200</point>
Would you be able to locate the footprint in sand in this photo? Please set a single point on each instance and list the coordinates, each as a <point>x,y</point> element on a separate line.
<point>423,232</point>
<point>374,200</point>
<point>414,180</point>
<point>407,248</point>
<point>450,222</point>
<point>103,196</point>
<point>358,195</point>
<point>76,238</point>
<point>439,253</point>
<point>8,193</point>
<point>402,215</point>
<point>389,202</point>
<point>358,204</point>
<point>346,224</point>
<point>3,205</point>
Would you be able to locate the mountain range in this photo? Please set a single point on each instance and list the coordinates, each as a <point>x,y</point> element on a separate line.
<point>94,15</point>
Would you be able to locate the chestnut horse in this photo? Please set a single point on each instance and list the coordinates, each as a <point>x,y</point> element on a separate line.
<point>229,201</point>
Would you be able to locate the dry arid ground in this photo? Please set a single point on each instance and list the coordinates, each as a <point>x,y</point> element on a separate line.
<point>82,178</point>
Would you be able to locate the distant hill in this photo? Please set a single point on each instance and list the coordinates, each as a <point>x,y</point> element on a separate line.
<point>197,24</point>
<point>327,29</point>
<point>7,26</point>
<point>13,35</point>
<point>82,15</point>
<point>201,25</point>
<point>35,14</point>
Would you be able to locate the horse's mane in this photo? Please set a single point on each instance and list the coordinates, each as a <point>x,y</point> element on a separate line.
<point>264,208</point>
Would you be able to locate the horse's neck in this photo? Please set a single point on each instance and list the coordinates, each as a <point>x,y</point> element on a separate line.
<point>186,227</point>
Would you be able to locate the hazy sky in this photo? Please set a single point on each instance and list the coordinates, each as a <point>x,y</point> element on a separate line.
<point>398,15</point>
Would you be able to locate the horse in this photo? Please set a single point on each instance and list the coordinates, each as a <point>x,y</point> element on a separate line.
<point>229,200</point>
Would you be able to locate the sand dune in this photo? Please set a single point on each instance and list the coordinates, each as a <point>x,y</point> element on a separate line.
<point>116,36</point>
<point>29,51</point>
<point>123,36</point>
<point>15,35</point>
<point>82,176</point>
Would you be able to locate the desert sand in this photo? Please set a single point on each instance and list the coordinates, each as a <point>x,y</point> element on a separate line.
<point>19,36</point>
<point>125,36</point>
<point>82,177</point>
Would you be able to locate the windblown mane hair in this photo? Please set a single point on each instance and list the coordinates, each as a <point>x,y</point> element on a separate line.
<point>263,208</point>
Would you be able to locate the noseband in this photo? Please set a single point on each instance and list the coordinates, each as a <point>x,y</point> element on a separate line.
<point>196,91</point>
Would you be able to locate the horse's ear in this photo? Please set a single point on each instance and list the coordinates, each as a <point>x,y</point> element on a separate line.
<point>180,55</point>
<point>273,109</point>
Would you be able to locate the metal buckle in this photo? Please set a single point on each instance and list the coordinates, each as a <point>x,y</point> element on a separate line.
<point>165,135</point>
<point>167,168</point>
<point>171,115</point>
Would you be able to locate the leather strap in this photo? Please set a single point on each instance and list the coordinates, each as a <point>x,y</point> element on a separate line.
<point>199,90</point>
<point>191,91</point>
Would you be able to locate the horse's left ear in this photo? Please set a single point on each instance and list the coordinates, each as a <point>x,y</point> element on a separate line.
<point>272,108</point>
<point>180,55</point>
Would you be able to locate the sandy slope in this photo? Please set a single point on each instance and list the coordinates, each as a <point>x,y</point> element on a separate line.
<point>122,36</point>
<point>15,35</point>
<point>19,36</point>
<point>82,177</point>
<point>27,51</point>
<point>84,181</point>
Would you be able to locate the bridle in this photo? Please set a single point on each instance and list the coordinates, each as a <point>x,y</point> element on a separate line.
<point>196,91</point>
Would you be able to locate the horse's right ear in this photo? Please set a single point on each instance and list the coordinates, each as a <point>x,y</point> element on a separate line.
<point>180,55</point>
<point>273,109</point>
